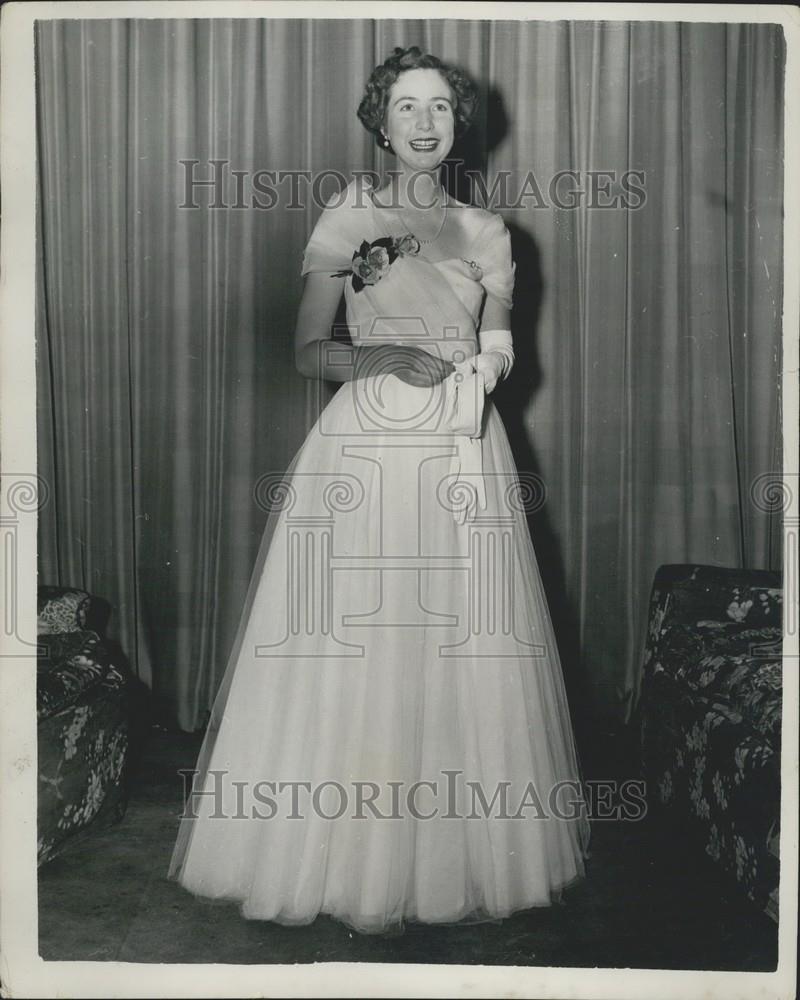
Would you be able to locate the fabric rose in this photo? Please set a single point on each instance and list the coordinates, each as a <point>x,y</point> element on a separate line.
<point>407,245</point>
<point>372,266</point>
<point>372,261</point>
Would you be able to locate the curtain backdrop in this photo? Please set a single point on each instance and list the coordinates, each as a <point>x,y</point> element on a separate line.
<point>648,339</point>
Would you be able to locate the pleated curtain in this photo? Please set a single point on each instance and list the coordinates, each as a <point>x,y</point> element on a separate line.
<point>646,391</point>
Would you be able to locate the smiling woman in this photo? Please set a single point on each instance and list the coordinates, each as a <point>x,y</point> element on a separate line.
<point>434,654</point>
<point>643,397</point>
<point>419,126</point>
<point>442,97</point>
<point>419,121</point>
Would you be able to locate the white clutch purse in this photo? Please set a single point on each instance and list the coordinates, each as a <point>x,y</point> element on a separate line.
<point>465,395</point>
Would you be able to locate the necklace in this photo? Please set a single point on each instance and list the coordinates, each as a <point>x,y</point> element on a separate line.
<point>431,239</point>
<point>438,233</point>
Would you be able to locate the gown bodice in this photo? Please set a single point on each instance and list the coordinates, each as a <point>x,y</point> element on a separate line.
<point>431,297</point>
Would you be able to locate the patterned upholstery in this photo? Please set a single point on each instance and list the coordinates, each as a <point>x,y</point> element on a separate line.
<point>711,714</point>
<point>63,609</point>
<point>83,724</point>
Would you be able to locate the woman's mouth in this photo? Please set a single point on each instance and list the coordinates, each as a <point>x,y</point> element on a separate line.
<point>423,145</point>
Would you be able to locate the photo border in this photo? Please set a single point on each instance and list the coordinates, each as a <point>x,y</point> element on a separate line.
<point>22,971</point>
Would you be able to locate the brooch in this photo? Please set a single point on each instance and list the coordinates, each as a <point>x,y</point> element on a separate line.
<point>476,271</point>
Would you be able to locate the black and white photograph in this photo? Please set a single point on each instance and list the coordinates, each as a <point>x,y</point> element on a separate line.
<point>399,499</point>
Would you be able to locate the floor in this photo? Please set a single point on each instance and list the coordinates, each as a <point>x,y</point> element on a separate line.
<point>644,904</point>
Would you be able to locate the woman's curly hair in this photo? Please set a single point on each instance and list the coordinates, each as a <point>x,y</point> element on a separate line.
<point>372,110</point>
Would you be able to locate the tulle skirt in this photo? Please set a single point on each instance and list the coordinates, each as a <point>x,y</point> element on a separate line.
<point>392,740</point>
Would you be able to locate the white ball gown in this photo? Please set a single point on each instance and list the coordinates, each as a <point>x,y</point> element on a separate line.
<point>391,740</point>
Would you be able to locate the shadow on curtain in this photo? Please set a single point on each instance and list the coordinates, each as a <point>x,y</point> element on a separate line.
<point>648,338</point>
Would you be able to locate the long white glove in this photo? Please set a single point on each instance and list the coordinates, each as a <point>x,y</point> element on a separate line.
<point>496,358</point>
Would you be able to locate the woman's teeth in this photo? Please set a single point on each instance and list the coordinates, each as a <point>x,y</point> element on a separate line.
<point>424,145</point>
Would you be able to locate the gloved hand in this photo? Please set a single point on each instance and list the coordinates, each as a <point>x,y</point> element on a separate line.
<point>496,358</point>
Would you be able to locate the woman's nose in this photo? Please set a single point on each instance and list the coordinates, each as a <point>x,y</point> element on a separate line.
<point>425,121</point>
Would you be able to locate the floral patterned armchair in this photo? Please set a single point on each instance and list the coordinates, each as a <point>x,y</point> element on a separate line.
<point>711,715</point>
<point>83,718</point>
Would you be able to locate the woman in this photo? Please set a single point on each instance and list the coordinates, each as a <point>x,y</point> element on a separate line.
<point>392,741</point>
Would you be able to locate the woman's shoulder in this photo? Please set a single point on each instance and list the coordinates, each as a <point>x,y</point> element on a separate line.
<point>479,225</point>
<point>487,222</point>
<point>351,197</point>
<point>478,216</point>
<point>345,215</point>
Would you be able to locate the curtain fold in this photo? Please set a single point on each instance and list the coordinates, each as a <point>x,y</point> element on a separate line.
<point>648,339</point>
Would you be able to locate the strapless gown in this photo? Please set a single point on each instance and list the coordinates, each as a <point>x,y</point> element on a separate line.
<point>391,740</point>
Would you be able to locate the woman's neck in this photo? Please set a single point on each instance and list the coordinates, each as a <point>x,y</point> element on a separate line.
<point>410,189</point>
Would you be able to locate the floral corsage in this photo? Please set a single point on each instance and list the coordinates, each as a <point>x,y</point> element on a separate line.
<point>372,261</point>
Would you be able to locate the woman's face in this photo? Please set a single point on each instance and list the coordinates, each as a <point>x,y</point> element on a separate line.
<point>420,118</point>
